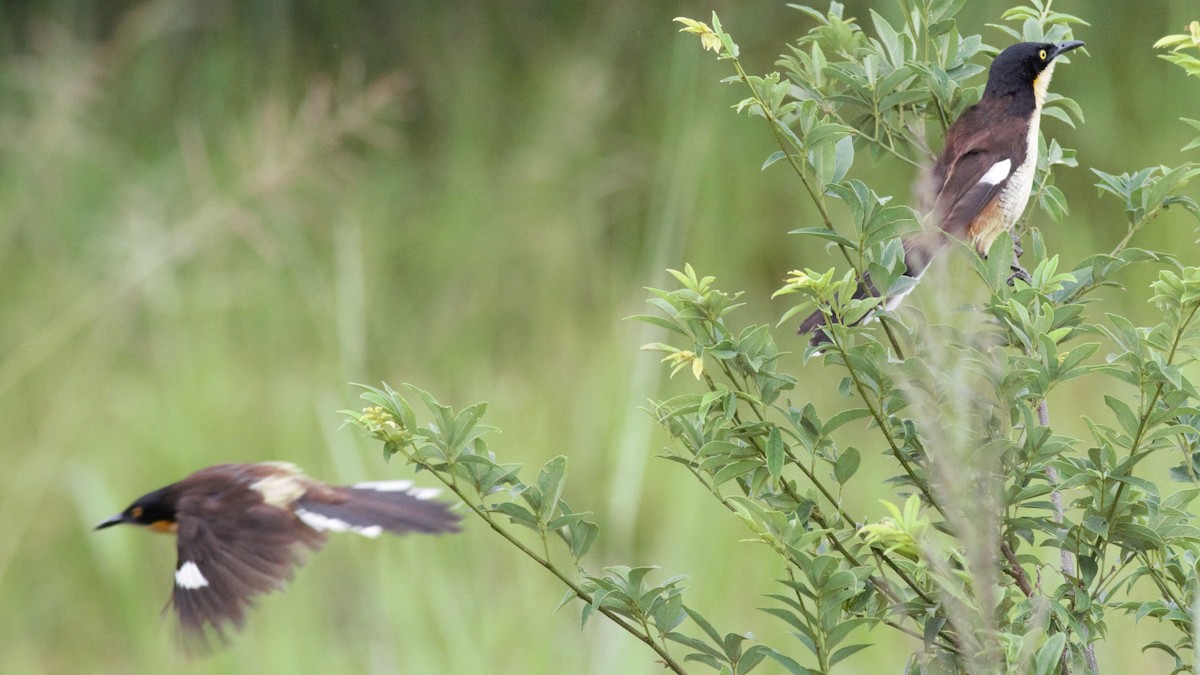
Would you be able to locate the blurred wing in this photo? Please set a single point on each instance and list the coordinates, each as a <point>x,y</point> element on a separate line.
<point>231,550</point>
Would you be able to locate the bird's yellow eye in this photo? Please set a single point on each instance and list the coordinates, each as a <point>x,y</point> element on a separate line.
<point>136,512</point>
<point>1042,54</point>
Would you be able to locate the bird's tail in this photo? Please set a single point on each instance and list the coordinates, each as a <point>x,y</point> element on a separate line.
<point>370,508</point>
<point>919,252</point>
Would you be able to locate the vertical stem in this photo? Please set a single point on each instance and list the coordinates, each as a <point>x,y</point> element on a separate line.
<point>1067,560</point>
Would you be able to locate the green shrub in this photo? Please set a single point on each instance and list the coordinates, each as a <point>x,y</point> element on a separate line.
<point>1008,541</point>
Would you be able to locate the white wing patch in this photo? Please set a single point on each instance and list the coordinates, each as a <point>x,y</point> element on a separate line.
<point>997,173</point>
<point>405,486</point>
<point>384,485</point>
<point>322,523</point>
<point>189,576</point>
<point>894,301</point>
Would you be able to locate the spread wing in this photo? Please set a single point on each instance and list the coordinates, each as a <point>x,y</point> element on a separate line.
<point>232,547</point>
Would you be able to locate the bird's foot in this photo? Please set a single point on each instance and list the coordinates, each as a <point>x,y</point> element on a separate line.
<point>1017,250</point>
<point>1019,272</point>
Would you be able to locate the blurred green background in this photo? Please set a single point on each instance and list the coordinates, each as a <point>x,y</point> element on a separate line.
<point>218,215</point>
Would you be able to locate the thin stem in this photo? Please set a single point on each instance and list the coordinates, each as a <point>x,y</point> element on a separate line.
<point>1111,578</point>
<point>881,422</point>
<point>1132,230</point>
<point>818,644</point>
<point>1144,422</point>
<point>1162,587</point>
<point>1015,570</point>
<point>578,590</point>
<point>879,583</point>
<point>833,501</point>
<point>791,157</point>
<point>816,482</point>
<point>782,142</point>
<point>1066,559</point>
<point>890,147</point>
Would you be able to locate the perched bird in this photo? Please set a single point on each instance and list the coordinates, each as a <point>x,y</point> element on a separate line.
<point>242,528</point>
<point>981,181</point>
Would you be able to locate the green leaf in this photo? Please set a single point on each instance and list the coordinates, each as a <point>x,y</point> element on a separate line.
<point>567,597</point>
<point>751,658</point>
<point>827,234</point>
<point>1187,472</point>
<point>1165,648</point>
<point>550,481</point>
<point>845,652</point>
<point>707,627</point>
<point>583,535</point>
<point>1097,525</point>
<point>1195,124</point>
<point>705,654</point>
<point>1087,569</point>
<point>1125,415</point>
<point>668,615</point>
<point>933,626</point>
<point>1053,202</point>
<point>842,631</point>
<point>1058,114</point>
<point>735,469</point>
<point>775,157</point>
<point>999,262</point>
<point>597,602</point>
<point>790,665</point>
<point>706,659</point>
<point>904,97</point>
<point>1047,659</point>
<point>518,514</point>
<point>1136,537</point>
<point>843,417</point>
<point>660,322</point>
<point>844,159</point>
<point>791,618</point>
<point>568,520</point>
<point>732,644</point>
<point>775,453</point>
<point>846,466</point>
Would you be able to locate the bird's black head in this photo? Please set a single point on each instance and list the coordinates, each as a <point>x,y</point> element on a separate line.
<point>1020,68</point>
<point>155,510</point>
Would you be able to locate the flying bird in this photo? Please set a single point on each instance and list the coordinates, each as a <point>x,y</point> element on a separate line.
<point>981,181</point>
<point>242,528</point>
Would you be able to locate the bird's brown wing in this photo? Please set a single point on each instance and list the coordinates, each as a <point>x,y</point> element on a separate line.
<point>972,183</point>
<point>979,159</point>
<point>966,186</point>
<point>232,547</point>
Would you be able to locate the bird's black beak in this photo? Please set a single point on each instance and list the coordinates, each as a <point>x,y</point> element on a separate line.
<point>1063,47</point>
<point>115,520</point>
